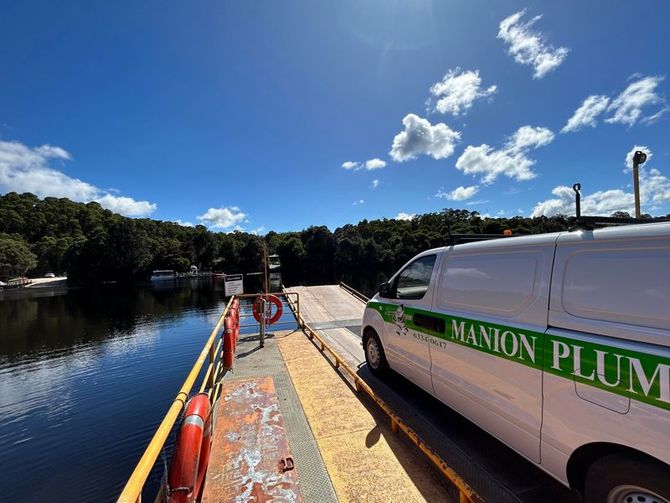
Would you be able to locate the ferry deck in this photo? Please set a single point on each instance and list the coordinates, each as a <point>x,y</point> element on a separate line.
<point>303,419</point>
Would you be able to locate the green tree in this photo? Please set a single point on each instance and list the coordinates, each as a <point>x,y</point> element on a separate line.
<point>291,254</point>
<point>15,256</point>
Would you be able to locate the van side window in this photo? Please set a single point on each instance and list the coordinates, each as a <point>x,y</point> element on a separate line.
<point>490,283</point>
<point>620,286</point>
<point>413,281</point>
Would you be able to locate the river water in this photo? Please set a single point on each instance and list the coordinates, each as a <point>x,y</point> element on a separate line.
<point>85,378</point>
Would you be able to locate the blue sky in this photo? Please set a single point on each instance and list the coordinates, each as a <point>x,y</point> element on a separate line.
<point>243,114</point>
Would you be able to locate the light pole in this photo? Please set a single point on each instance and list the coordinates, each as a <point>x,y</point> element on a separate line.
<point>638,158</point>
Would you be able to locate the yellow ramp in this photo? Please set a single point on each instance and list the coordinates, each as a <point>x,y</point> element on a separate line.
<point>365,460</point>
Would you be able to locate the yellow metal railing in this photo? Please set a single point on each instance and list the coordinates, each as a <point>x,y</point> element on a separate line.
<point>132,492</point>
<point>466,493</point>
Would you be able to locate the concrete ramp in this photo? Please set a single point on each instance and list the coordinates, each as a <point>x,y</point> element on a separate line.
<point>336,314</point>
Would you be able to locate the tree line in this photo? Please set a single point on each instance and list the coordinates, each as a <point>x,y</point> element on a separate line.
<point>91,244</point>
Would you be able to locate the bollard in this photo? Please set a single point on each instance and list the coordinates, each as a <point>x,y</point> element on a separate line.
<point>228,342</point>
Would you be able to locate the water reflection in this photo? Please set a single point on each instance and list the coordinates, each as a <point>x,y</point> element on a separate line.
<point>34,321</point>
<point>86,376</point>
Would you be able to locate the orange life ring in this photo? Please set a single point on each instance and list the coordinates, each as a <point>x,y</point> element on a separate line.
<point>274,300</point>
<point>191,455</point>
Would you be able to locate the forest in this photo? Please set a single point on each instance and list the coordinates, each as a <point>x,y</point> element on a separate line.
<point>92,245</point>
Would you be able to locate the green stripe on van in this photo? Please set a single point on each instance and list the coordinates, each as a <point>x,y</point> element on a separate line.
<point>633,374</point>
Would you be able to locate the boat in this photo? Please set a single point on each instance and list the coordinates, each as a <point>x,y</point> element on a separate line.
<point>163,275</point>
<point>274,265</point>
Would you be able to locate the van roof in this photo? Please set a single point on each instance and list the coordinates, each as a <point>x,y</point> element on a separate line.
<point>637,231</point>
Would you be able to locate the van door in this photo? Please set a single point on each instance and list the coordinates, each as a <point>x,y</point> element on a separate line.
<point>405,347</point>
<point>608,351</point>
<point>488,365</point>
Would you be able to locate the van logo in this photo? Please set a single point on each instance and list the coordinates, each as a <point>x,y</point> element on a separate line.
<point>399,320</point>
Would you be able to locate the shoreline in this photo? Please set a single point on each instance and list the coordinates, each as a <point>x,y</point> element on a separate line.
<point>47,282</point>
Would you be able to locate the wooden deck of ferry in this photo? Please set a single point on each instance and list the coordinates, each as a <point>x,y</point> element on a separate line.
<point>291,426</point>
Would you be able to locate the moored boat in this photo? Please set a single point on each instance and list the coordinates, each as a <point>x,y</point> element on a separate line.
<point>163,275</point>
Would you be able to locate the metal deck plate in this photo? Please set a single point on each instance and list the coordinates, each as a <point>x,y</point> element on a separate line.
<point>250,458</point>
<point>250,361</point>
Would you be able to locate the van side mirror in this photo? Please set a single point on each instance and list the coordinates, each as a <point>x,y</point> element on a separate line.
<point>384,290</point>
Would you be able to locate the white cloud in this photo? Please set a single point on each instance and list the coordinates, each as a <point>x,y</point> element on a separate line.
<point>599,203</point>
<point>258,232</point>
<point>477,202</point>
<point>405,216</point>
<point>375,184</point>
<point>627,107</point>
<point>587,113</point>
<point>511,161</point>
<point>528,137</point>
<point>126,205</point>
<point>53,151</point>
<point>25,169</point>
<point>184,224</point>
<point>375,164</point>
<point>360,201</point>
<point>223,218</point>
<point>654,187</point>
<point>458,90</point>
<point>459,193</point>
<point>529,47</point>
<point>420,137</point>
<point>368,165</point>
<point>654,192</point>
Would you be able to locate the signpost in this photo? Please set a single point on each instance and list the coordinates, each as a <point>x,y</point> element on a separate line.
<point>233,284</point>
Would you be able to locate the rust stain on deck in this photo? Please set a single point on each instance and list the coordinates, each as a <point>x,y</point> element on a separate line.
<point>251,459</point>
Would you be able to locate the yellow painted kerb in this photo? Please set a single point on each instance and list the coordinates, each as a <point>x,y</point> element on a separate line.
<point>365,460</point>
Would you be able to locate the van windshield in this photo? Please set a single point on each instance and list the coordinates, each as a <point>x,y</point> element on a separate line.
<point>413,281</point>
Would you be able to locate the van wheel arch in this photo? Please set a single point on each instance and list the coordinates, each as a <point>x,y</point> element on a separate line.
<point>382,367</point>
<point>368,332</point>
<point>583,458</point>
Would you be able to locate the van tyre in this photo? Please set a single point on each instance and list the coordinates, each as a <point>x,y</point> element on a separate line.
<point>374,354</point>
<point>622,479</point>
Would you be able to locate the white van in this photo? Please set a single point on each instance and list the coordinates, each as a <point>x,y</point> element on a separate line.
<point>557,344</point>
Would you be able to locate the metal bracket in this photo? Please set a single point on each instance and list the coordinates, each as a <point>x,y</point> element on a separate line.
<point>286,465</point>
<point>578,199</point>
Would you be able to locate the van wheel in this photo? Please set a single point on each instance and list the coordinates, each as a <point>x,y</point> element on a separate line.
<point>374,354</point>
<point>623,479</point>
